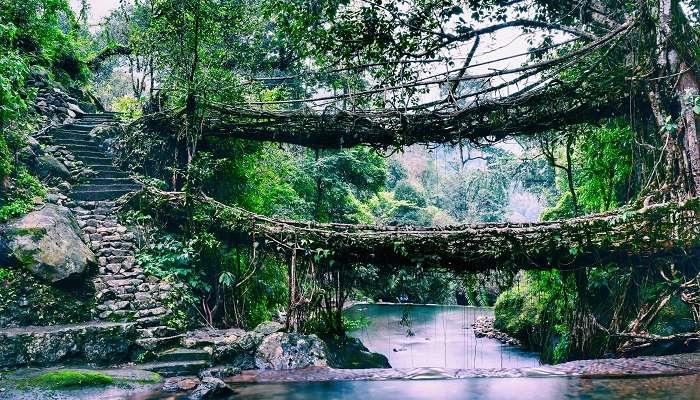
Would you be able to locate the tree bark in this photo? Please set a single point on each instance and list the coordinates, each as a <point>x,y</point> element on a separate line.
<point>687,92</point>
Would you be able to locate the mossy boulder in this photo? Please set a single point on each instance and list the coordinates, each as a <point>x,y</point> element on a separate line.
<point>281,351</point>
<point>102,343</point>
<point>347,352</point>
<point>27,300</point>
<point>47,166</point>
<point>47,243</point>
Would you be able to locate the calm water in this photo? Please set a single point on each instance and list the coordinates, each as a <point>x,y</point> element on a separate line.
<point>674,388</point>
<point>434,336</point>
<point>441,336</point>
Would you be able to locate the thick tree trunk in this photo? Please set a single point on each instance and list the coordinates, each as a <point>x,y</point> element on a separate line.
<point>687,92</point>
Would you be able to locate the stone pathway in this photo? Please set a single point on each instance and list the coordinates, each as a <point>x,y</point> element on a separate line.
<point>123,291</point>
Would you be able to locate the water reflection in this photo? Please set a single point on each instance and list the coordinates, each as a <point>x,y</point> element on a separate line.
<point>434,336</point>
<point>675,388</point>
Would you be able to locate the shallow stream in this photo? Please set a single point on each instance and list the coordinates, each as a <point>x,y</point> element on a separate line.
<point>427,344</point>
<point>434,336</point>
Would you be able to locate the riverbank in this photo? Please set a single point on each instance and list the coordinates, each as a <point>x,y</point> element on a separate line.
<point>483,327</point>
<point>134,383</point>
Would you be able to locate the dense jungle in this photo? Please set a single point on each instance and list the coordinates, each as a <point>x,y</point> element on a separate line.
<point>246,198</point>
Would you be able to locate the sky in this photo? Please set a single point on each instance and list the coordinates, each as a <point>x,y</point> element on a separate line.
<point>98,8</point>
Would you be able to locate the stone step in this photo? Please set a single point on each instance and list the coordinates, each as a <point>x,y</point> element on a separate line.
<point>85,146</point>
<point>177,368</point>
<point>161,343</point>
<point>96,160</point>
<point>181,354</point>
<point>73,142</point>
<point>156,332</point>
<point>106,168</point>
<point>73,136</point>
<point>101,114</point>
<point>72,132</point>
<point>107,174</point>
<point>86,128</point>
<point>102,187</point>
<point>100,181</point>
<point>88,153</point>
<point>149,321</point>
<point>88,120</point>
<point>98,195</point>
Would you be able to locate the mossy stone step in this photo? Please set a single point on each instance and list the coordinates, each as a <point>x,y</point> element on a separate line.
<point>100,181</point>
<point>176,368</point>
<point>113,174</point>
<point>73,142</point>
<point>99,195</point>
<point>181,354</point>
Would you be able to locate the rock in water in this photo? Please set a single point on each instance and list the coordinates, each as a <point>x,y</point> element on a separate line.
<point>46,242</point>
<point>348,352</point>
<point>211,388</point>
<point>290,351</point>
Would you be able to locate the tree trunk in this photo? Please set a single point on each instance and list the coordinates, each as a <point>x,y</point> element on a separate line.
<point>687,92</point>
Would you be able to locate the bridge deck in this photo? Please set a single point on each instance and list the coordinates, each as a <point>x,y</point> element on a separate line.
<point>626,236</point>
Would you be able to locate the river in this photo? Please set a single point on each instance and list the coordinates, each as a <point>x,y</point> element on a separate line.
<point>434,336</point>
<point>427,342</point>
<point>425,336</point>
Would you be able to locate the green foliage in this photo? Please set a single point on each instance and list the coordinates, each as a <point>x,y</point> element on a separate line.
<point>536,311</point>
<point>35,35</point>
<point>351,325</point>
<point>22,196</point>
<point>602,171</point>
<point>128,107</point>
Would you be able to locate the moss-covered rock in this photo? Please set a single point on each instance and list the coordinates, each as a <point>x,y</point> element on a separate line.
<point>46,242</point>
<point>101,343</point>
<point>348,352</point>
<point>26,300</point>
<point>71,378</point>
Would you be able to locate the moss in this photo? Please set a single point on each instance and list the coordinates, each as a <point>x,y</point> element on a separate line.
<point>35,233</point>
<point>70,378</point>
<point>26,300</point>
<point>155,378</point>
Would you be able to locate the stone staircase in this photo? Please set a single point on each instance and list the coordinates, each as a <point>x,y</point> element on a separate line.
<point>179,362</point>
<point>109,182</point>
<point>123,291</point>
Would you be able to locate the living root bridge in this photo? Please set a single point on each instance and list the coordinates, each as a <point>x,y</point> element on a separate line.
<point>626,237</point>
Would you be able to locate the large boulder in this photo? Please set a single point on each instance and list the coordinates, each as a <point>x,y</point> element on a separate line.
<point>234,347</point>
<point>281,351</point>
<point>268,328</point>
<point>46,242</point>
<point>48,166</point>
<point>349,352</point>
<point>103,343</point>
<point>212,388</point>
